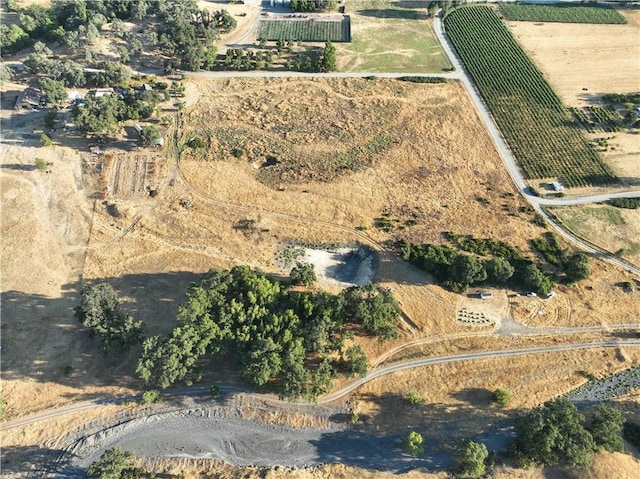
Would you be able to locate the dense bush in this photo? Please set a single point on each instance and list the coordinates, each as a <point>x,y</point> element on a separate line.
<point>628,203</point>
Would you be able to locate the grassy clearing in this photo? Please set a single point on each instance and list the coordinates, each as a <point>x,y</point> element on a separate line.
<point>611,228</point>
<point>562,13</point>
<point>391,37</point>
<point>539,130</point>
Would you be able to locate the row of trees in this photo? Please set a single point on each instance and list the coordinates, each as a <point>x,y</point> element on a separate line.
<point>291,341</point>
<point>506,265</point>
<point>313,5</point>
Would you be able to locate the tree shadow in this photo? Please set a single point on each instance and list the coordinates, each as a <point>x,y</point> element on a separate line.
<point>442,426</point>
<point>42,340</point>
<point>14,166</point>
<point>37,462</point>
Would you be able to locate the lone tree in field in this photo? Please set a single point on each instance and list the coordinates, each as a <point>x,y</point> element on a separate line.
<point>100,311</point>
<point>470,459</point>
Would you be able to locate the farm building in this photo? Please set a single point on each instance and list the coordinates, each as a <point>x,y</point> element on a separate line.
<point>30,98</point>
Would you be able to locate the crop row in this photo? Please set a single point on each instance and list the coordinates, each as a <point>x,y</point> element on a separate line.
<point>540,131</point>
<point>306,30</point>
<point>563,13</point>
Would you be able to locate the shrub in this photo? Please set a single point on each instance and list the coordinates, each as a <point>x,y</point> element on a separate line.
<point>413,444</point>
<point>501,397</point>
<point>304,274</point>
<point>214,391</point>
<point>45,140</point>
<point>151,397</point>
<point>41,165</point>
<point>414,399</point>
<point>196,142</point>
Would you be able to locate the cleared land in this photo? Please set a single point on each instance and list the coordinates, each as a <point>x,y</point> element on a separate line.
<point>562,13</point>
<point>539,130</point>
<point>389,36</point>
<point>583,62</point>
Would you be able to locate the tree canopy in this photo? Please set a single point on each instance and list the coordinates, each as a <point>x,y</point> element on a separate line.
<point>553,435</point>
<point>469,458</point>
<point>117,464</point>
<point>99,310</point>
<point>280,339</point>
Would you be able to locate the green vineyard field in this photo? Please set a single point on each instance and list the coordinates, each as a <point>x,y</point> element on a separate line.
<point>306,30</point>
<point>542,134</point>
<point>562,13</point>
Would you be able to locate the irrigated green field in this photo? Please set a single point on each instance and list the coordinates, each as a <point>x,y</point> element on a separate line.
<point>562,13</point>
<point>544,138</point>
<point>305,30</point>
<point>391,37</point>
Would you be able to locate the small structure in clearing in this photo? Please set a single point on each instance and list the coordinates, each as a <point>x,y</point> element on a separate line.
<point>30,98</point>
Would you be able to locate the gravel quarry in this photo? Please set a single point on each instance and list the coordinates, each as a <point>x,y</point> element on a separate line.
<point>220,433</point>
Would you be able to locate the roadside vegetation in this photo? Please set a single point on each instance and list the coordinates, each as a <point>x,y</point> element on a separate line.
<point>291,341</point>
<point>537,127</point>
<point>562,13</point>
<point>484,261</point>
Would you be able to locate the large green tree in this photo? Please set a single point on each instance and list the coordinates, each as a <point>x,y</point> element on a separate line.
<point>553,435</point>
<point>100,311</point>
<point>470,458</point>
<point>54,90</point>
<point>329,61</point>
<point>606,428</point>
<point>99,115</point>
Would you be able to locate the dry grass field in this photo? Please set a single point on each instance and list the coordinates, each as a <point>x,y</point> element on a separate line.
<point>436,166</point>
<point>616,230</point>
